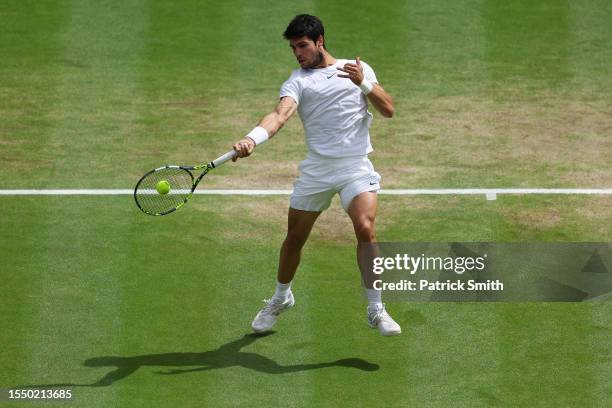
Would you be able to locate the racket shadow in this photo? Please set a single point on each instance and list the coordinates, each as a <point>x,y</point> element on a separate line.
<point>227,355</point>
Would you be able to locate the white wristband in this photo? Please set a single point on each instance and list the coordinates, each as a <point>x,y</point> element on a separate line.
<point>366,86</point>
<point>258,135</point>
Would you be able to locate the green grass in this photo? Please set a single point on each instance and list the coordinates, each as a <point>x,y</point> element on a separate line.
<point>480,88</point>
<point>487,94</point>
<point>96,279</point>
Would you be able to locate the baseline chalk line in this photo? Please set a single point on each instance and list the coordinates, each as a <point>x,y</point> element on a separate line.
<point>489,193</point>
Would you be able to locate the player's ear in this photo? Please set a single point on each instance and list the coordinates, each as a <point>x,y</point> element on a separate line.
<point>320,41</point>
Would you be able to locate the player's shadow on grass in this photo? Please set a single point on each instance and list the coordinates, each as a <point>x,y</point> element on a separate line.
<point>228,355</point>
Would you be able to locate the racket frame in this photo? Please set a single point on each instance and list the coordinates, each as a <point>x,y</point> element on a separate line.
<point>195,181</point>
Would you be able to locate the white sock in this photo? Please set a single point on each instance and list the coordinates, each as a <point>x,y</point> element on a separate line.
<point>282,290</point>
<point>374,298</point>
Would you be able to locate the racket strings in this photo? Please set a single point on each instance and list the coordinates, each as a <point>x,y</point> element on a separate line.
<point>153,202</point>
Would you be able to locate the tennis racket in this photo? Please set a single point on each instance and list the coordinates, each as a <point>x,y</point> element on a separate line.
<point>166,189</point>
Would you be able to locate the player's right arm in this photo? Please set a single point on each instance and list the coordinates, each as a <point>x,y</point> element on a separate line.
<point>271,123</point>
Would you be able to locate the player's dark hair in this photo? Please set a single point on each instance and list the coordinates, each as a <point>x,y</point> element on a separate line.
<point>305,25</point>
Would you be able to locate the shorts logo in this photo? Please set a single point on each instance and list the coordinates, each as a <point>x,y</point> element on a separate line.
<point>373,181</point>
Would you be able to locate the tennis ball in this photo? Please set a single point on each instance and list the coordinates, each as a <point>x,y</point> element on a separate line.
<point>163,187</point>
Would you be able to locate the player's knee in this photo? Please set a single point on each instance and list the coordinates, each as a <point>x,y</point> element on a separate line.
<point>364,230</point>
<point>295,241</point>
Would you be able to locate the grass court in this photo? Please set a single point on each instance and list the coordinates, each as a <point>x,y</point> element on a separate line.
<point>156,312</point>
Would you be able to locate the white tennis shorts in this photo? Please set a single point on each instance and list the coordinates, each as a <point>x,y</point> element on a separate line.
<point>322,177</point>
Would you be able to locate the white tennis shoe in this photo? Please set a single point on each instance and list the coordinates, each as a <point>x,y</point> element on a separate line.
<point>378,318</point>
<point>266,318</point>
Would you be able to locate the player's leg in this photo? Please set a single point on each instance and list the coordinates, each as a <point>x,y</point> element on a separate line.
<point>361,205</point>
<point>362,211</point>
<point>299,225</point>
<point>300,221</point>
<point>360,201</point>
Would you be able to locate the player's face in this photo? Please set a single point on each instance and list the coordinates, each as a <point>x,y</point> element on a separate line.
<point>308,53</point>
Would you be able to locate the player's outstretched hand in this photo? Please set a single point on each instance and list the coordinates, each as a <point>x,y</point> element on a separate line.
<point>243,148</point>
<point>354,72</point>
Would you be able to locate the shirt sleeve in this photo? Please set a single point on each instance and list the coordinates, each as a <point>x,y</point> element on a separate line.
<point>292,88</point>
<point>368,73</point>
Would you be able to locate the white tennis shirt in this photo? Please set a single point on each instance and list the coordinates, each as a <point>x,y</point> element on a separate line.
<point>333,110</point>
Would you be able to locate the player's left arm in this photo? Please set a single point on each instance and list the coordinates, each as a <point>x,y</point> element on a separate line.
<point>381,100</point>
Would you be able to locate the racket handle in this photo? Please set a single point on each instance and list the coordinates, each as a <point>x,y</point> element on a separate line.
<point>222,159</point>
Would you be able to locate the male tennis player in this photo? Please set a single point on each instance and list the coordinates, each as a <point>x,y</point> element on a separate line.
<point>331,96</point>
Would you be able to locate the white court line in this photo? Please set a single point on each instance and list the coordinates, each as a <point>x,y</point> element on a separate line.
<point>489,193</point>
<point>130,192</point>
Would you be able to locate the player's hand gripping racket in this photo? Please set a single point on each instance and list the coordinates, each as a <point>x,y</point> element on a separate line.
<point>166,189</point>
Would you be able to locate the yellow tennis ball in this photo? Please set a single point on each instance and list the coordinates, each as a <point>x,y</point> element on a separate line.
<point>163,187</point>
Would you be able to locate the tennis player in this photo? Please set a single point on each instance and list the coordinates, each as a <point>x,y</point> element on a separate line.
<point>331,96</point>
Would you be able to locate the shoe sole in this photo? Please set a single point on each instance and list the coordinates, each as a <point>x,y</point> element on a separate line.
<point>385,334</point>
<point>391,333</point>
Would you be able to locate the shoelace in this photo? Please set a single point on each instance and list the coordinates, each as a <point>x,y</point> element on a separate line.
<point>378,315</point>
<point>273,306</point>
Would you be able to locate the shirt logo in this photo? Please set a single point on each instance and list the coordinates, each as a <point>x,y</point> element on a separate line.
<point>329,76</point>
